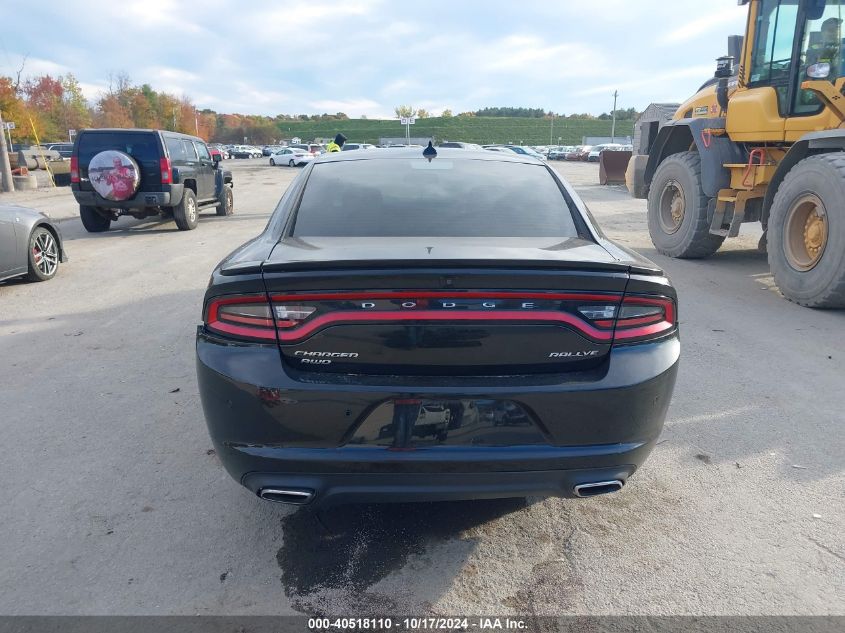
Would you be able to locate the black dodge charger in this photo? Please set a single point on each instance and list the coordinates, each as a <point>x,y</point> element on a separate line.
<point>429,326</point>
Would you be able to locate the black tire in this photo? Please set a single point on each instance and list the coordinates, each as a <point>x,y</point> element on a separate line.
<point>810,273</point>
<point>93,220</point>
<point>291,163</point>
<point>186,214</point>
<point>43,255</point>
<point>226,205</point>
<point>678,218</point>
<point>272,163</point>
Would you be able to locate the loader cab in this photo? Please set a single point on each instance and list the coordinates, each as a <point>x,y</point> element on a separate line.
<point>787,43</point>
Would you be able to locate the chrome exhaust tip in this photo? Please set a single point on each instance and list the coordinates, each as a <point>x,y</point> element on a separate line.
<point>279,495</point>
<point>598,488</point>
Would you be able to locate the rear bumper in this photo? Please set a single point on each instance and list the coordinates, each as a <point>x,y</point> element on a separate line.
<point>327,489</point>
<point>271,430</point>
<point>169,196</point>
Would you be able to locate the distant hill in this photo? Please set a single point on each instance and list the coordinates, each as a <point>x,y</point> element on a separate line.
<point>518,130</point>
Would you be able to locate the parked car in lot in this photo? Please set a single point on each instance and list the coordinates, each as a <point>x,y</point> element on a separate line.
<point>30,244</point>
<point>245,151</point>
<point>525,151</point>
<point>559,153</point>
<point>595,154</point>
<point>580,153</point>
<point>64,149</point>
<point>460,145</point>
<point>348,147</point>
<point>312,148</point>
<point>142,173</point>
<point>291,157</point>
<point>390,288</point>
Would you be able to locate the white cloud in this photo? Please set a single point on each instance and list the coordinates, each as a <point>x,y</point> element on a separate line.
<point>352,107</point>
<point>367,56</point>
<point>703,24</point>
<point>645,81</point>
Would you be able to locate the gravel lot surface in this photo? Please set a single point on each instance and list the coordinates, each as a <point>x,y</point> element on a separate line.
<point>114,503</point>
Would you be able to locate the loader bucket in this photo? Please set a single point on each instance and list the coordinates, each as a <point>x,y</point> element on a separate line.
<point>612,166</point>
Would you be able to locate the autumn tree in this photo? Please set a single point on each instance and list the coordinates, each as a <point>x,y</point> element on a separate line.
<point>446,114</point>
<point>111,113</point>
<point>75,113</point>
<point>11,105</point>
<point>404,111</point>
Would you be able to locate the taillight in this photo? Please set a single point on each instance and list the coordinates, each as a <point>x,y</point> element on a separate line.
<point>644,318</point>
<point>289,316</point>
<point>166,171</point>
<point>251,317</point>
<point>74,169</point>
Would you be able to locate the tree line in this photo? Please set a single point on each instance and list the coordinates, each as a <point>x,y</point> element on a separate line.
<point>47,107</point>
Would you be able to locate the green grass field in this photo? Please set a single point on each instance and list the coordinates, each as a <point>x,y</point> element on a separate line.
<point>470,129</point>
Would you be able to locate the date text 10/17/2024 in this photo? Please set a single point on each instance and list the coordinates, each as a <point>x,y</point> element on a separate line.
<point>417,624</point>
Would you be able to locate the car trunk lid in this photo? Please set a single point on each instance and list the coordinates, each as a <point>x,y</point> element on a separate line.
<point>444,306</point>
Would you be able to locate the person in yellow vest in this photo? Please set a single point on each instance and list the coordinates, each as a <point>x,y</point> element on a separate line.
<point>336,144</point>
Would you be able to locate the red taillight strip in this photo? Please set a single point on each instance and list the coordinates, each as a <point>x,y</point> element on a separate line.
<point>214,304</point>
<point>214,322</point>
<point>634,321</point>
<point>455,294</point>
<point>248,320</point>
<point>667,304</point>
<point>624,331</point>
<point>268,334</point>
<point>648,330</point>
<point>288,336</point>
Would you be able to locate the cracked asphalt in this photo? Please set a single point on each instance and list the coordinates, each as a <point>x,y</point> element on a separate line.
<point>113,502</point>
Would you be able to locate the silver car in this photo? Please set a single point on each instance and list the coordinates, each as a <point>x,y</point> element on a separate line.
<point>30,244</point>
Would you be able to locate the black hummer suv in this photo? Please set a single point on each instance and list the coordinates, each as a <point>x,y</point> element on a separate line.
<point>142,173</point>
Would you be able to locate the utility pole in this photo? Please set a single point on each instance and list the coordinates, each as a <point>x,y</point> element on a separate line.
<point>613,128</point>
<point>552,129</point>
<point>6,182</point>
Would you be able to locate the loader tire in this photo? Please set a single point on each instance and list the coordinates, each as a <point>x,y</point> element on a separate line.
<point>678,218</point>
<point>806,232</point>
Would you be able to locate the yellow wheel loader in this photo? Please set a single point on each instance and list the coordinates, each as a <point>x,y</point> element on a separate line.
<point>763,141</point>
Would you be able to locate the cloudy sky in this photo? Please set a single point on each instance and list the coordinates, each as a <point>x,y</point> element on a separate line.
<point>366,56</point>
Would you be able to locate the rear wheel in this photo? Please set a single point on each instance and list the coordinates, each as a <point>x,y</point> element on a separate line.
<point>93,220</point>
<point>226,203</point>
<point>806,232</point>
<point>272,162</point>
<point>43,255</point>
<point>678,218</point>
<point>291,163</point>
<point>186,213</point>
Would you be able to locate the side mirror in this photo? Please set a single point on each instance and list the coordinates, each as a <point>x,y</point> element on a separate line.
<point>216,158</point>
<point>819,71</point>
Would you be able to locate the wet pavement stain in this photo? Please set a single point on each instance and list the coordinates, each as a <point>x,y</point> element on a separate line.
<point>353,547</point>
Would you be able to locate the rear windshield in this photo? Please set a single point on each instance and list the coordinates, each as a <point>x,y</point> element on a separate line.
<point>141,147</point>
<point>443,198</point>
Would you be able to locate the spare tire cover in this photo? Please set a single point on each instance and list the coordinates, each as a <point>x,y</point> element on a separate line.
<point>114,175</point>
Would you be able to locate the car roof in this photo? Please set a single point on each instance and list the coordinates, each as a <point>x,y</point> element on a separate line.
<point>445,153</point>
<point>136,130</point>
